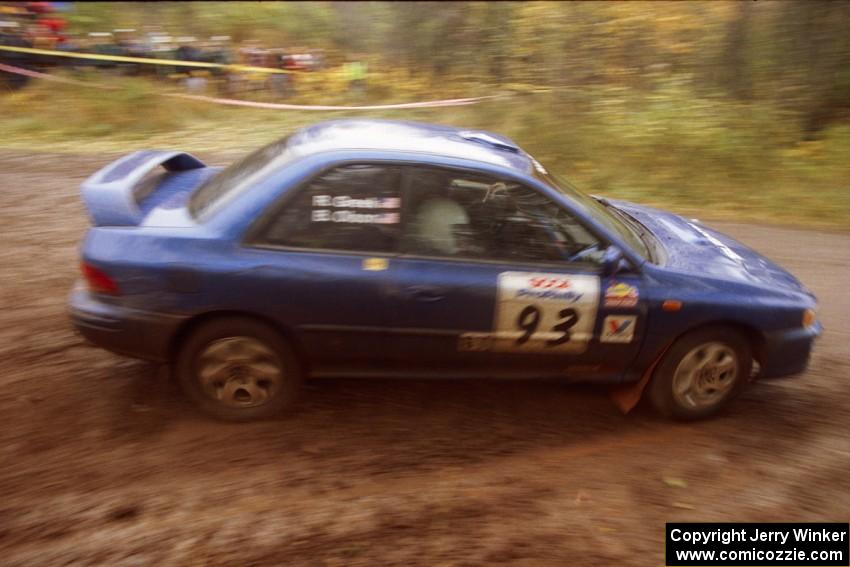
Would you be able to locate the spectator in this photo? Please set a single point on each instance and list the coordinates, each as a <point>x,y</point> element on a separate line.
<point>355,72</point>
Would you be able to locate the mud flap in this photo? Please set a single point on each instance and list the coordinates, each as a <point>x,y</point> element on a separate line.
<point>627,397</point>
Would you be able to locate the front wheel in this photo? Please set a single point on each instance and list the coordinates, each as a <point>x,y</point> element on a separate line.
<point>238,370</point>
<point>701,373</point>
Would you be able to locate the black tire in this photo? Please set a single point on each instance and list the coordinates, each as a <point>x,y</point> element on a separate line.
<point>236,403</point>
<point>662,390</point>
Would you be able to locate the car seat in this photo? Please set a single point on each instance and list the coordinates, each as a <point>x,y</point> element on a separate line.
<point>434,225</point>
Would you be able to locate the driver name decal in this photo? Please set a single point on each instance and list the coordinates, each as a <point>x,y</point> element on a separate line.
<point>324,205</point>
<point>346,202</point>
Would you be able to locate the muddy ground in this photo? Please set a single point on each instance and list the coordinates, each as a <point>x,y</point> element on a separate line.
<point>103,462</point>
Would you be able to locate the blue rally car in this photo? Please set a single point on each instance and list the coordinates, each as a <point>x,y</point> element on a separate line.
<point>381,248</point>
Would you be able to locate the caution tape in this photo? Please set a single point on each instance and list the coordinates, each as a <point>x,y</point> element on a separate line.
<point>283,106</point>
<point>145,60</point>
<point>37,75</point>
<point>253,104</point>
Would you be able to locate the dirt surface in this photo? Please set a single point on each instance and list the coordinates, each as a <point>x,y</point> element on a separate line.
<point>103,462</point>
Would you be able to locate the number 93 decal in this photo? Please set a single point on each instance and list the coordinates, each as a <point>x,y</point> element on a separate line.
<point>540,312</point>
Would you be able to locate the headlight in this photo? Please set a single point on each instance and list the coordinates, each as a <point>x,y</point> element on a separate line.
<point>810,317</point>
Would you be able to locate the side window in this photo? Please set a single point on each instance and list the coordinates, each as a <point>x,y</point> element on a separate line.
<point>352,207</point>
<point>457,214</point>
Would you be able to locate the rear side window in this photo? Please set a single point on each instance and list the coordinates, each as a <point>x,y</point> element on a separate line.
<point>350,208</point>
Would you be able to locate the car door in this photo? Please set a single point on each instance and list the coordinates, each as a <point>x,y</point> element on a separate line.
<point>318,263</point>
<point>495,279</point>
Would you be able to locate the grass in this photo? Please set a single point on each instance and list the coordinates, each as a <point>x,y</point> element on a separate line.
<point>697,155</point>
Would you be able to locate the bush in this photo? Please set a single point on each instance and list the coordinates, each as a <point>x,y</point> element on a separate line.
<point>672,147</point>
<point>133,108</point>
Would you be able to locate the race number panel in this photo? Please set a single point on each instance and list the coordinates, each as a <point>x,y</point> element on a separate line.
<point>540,312</point>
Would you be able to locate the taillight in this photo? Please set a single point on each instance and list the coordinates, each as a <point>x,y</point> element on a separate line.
<point>98,281</point>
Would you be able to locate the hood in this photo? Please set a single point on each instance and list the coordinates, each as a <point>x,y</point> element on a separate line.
<point>693,248</point>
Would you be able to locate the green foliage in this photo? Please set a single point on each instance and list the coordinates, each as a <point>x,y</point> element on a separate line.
<point>735,108</point>
<point>699,155</point>
<point>133,109</point>
<point>791,53</point>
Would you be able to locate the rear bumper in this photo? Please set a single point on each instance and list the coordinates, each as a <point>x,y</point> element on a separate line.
<point>131,332</point>
<point>788,353</point>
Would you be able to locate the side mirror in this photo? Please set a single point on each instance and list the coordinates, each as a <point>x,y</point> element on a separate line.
<point>613,261</point>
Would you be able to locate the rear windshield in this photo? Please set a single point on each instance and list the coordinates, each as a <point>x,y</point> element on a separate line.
<point>232,179</point>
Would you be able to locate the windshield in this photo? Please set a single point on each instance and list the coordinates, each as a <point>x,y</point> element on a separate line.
<point>226,182</point>
<point>613,221</point>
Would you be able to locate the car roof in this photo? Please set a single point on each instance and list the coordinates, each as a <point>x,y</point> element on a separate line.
<point>406,136</point>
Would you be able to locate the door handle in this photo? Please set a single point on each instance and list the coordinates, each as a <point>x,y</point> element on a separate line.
<point>424,293</point>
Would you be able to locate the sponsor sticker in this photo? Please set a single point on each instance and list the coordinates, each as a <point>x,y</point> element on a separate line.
<point>619,294</point>
<point>375,264</point>
<point>618,329</point>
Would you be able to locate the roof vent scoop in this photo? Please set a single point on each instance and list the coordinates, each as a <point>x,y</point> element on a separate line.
<point>491,140</point>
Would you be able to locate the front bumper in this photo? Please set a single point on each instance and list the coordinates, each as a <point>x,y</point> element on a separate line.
<point>123,330</point>
<point>788,353</point>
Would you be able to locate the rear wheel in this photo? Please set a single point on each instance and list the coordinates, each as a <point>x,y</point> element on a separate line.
<point>701,373</point>
<point>238,369</point>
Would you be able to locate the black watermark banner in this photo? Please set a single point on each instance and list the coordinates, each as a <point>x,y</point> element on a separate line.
<point>764,545</point>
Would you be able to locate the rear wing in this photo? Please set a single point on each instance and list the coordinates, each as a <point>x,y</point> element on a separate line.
<point>111,195</point>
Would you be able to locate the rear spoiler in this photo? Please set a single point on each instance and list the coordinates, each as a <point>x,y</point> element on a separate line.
<point>109,194</point>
